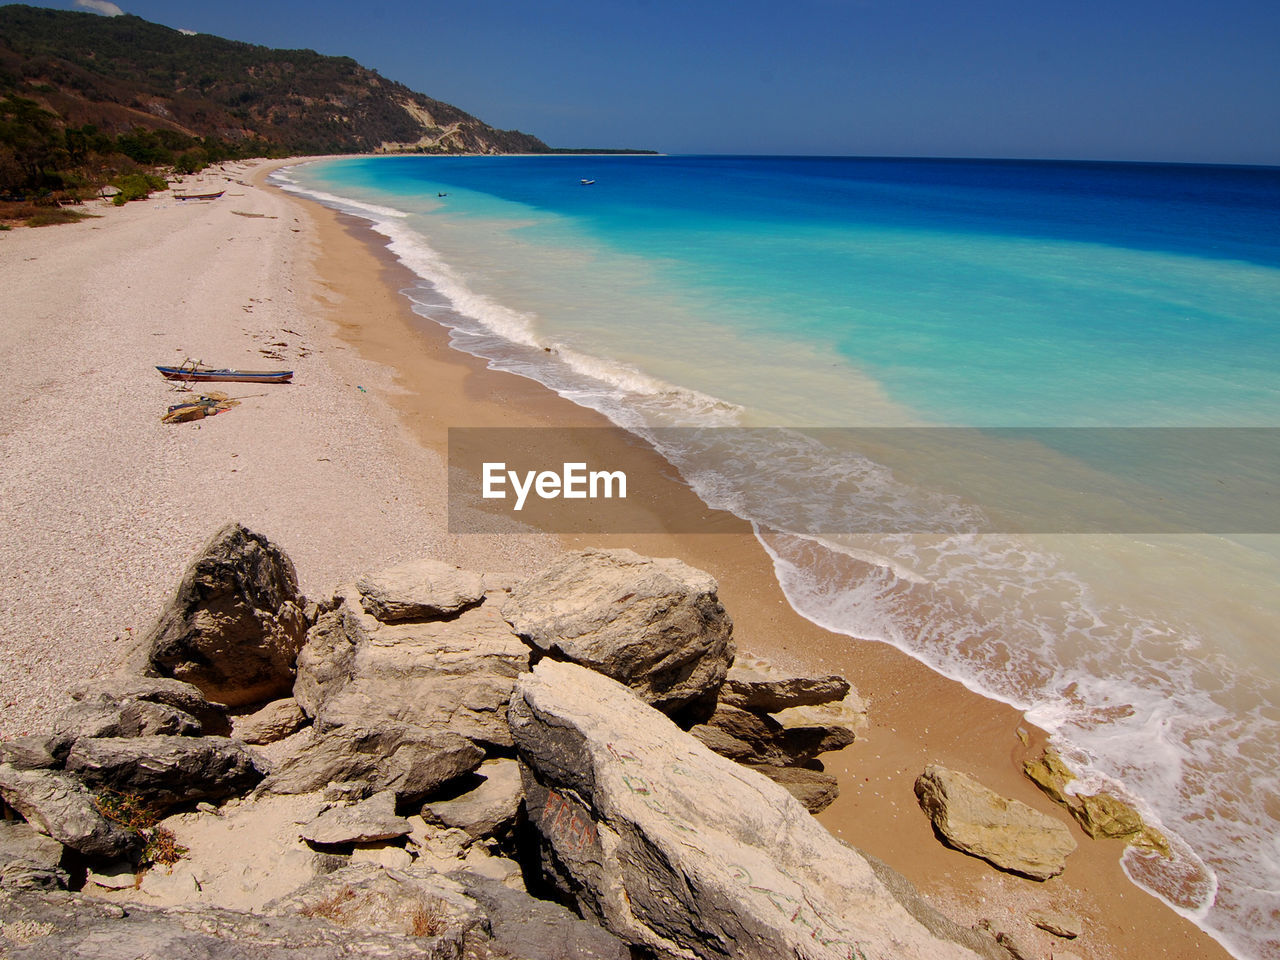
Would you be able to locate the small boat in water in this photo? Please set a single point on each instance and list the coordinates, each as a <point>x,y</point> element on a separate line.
<point>206,374</point>
<point>198,196</point>
<point>586,183</point>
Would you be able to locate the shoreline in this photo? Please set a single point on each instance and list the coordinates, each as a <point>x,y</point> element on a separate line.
<point>916,715</point>
<point>345,470</point>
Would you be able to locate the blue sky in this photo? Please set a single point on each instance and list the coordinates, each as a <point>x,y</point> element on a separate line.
<point>1175,80</point>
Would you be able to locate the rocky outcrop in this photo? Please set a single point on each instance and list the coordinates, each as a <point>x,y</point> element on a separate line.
<point>655,625</point>
<point>165,770</point>
<point>407,760</point>
<point>235,624</point>
<point>455,674</point>
<point>419,590</point>
<point>362,822</point>
<point>687,854</point>
<point>409,682</point>
<point>59,806</point>
<point>1006,833</point>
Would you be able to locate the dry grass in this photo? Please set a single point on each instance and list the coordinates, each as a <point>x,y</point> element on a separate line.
<point>333,907</point>
<point>428,919</point>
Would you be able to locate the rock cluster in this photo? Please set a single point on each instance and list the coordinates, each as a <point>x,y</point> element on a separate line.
<point>778,723</point>
<point>409,754</point>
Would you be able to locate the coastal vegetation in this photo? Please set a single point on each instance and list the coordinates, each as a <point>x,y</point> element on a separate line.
<point>87,100</point>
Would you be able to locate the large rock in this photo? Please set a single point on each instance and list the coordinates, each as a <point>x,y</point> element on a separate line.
<point>1006,833</point>
<point>755,684</point>
<point>235,624</point>
<point>362,822</point>
<point>419,590</point>
<point>59,806</point>
<point>29,859</point>
<point>41,752</point>
<point>488,809</point>
<point>454,675</point>
<point>408,760</point>
<point>165,770</point>
<point>101,715</point>
<point>655,625</point>
<point>687,854</point>
<point>277,720</point>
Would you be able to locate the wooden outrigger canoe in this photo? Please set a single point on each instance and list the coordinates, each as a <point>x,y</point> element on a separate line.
<point>198,196</point>
<point>205,374</point>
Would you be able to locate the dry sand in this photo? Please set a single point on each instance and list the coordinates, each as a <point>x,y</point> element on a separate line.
<point>104,505</point>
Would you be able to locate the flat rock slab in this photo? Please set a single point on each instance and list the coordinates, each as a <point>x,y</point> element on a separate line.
<point>38,752</point>
<point>419,590</point>
<point>656,625</point>
<point>755,684</point>
<point>487,810</point>
<point>368,897</point>
<point>1006,833</point>
<point>408,760</point>
<point>363,822</point>
<point>683,852</point>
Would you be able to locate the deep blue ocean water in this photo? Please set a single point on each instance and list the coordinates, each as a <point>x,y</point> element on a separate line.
<point>745,291</point>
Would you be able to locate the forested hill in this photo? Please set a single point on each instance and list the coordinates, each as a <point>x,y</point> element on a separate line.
<point>117,74</point>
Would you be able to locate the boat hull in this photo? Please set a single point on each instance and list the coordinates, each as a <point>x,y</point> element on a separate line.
<point>226,376</point>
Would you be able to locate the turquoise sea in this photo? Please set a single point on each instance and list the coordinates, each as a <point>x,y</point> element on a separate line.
<point>704,292</point>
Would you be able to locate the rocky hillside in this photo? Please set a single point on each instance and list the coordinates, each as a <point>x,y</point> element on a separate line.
<point>121,73</point>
